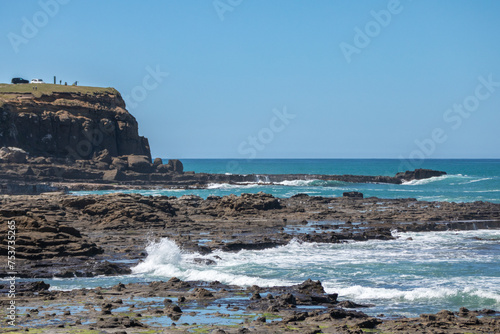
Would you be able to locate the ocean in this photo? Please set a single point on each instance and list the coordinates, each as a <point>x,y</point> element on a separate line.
<point>466,181</point>
<point>433,271</point>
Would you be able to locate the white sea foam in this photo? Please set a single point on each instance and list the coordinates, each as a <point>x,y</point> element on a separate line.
<point>231,186</point>
<point>438,267</point>
<point>296,183</point>
<point>363,293</point>
<point>478,180</point>
<point>433,179</point>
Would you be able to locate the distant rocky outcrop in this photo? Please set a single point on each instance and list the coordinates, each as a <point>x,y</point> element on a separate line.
<point>419,174</point>
<point>78,124</point>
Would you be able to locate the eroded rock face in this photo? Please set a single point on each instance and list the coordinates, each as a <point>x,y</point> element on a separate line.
<point>42,238</point>
<point>78,125</point>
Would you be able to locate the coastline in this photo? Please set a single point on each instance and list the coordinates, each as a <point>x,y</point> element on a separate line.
<point>95,233</point>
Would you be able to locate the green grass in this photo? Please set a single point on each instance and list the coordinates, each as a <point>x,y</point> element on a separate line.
<point>49,89</point>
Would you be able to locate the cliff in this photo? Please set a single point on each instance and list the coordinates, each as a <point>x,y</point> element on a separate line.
<point>68,122</point>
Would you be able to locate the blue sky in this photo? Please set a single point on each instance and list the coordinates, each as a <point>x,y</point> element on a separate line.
<point>234,65</point>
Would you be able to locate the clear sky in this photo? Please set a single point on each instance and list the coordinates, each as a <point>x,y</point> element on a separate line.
<point>277,78</point>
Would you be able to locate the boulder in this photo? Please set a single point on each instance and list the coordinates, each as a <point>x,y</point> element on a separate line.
<point>201,293</point>
<point>164,168</point>
<point>120,163</point>
<point>139,163</point>
<point>13,155</point>
<point>352,194</point>
<point>157,162</point>
<point>311,287</point>
<point>113,175</point>
<point>176,165</point>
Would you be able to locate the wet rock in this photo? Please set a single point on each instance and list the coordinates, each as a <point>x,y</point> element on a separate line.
<point>173,309</point>
<point>108,269</point>
<point>296,317</point>
<point>287,298</point>
<point>37,286</point>
<point>350,304</point>
<point>309,287</point>
<point>218,331</point>
<point>352,194</point>
<point>201,293</point>
<point>117,322</point>
<point>419,174</point>
<point>256,296</point>
<point>206,262</point>
<point>368,323</point>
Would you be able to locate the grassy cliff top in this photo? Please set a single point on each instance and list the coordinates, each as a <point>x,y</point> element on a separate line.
<point>49,89</point>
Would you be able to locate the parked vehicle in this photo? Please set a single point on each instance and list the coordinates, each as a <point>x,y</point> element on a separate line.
<point>19,81</point>
<point>37,81</point>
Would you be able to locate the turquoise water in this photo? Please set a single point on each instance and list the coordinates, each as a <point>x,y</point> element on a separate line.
<point>416,273</point>
<point>467,180</point>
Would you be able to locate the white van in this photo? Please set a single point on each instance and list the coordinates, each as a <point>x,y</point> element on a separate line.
<point>37,81</point>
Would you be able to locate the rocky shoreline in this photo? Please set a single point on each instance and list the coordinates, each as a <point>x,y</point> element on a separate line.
<point>61,138</point>
<point>177,306</point>
<point>38,175</point>
<point>84,236</point>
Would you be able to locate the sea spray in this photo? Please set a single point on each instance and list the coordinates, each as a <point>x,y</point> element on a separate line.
<point>162,253</point>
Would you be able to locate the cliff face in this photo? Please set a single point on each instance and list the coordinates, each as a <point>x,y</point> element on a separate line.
<point>78,123</point>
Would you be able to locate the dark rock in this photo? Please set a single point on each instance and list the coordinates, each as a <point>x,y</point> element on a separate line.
<point>37,286</point>
<point>12,154</point>
<point>113,175</point>
<point>256,296</point>
<point>201,293</point>
<point>157,162</point>
<point>173,309</point>
<point>103,156</point>
<point>164,169</point>
<point>107,268</point>
<point>353,194</point>
<point>419,174</point>
<point>71,124</point>
<point>124,322</point>
<point>119,163</point>
<point>69,230</point>
<point>249,202</point>
<point>176,166</point>
<point>139,163</point>
<point>311,287</point>
<point>288,298</point>
<point>350,304</point>
<point>206,262</point>
<point>368,323</point>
